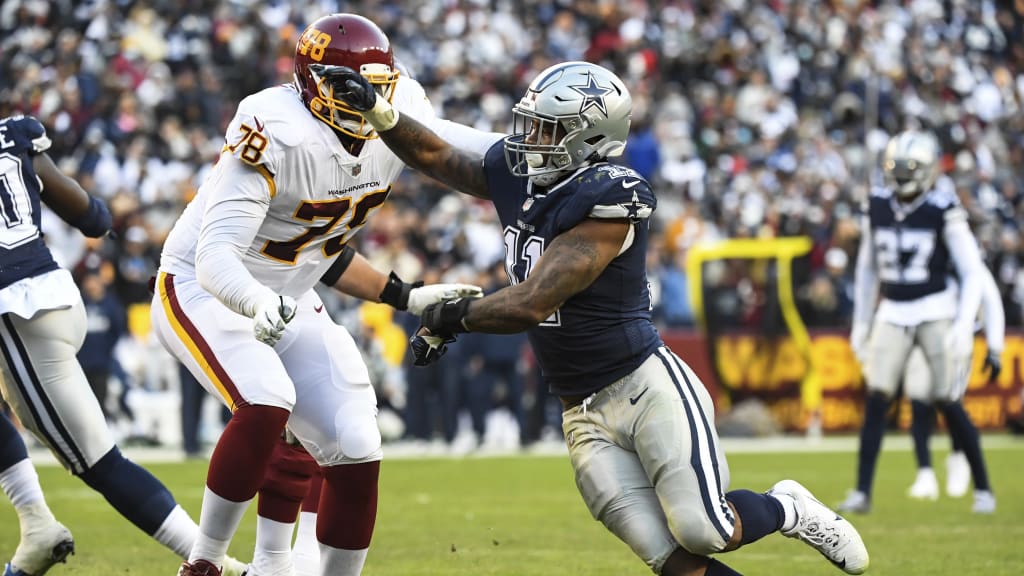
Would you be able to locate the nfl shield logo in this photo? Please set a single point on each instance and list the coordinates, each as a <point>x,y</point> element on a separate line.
<point>357,169</point>
<point>527,203</point>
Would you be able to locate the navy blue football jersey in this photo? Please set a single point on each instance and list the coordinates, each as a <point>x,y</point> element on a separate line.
<point>22,251</point>
<point>604,332</point>
<point>911,256</point>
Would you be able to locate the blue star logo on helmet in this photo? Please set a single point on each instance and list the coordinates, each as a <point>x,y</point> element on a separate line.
<point>593,95</point>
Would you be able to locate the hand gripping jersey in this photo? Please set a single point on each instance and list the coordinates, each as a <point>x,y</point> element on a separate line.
<point>604,332</point>
<point>22,251</point>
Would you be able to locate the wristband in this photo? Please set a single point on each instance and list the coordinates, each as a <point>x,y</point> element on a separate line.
<point>96,221</point>
<point>396,292</point>
<point>383,116</point>
<point>446,318</point>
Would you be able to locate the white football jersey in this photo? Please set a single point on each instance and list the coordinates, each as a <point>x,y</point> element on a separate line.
<point>320,195</point>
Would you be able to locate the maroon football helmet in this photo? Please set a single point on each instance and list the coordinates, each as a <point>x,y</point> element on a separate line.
<point>343,40</point>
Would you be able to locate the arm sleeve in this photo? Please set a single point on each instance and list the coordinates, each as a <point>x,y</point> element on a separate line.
<point>969,268</point>
<point>238,203</point>
<point>865,283</point>
<point>465,137</point>
<point>992,314</point>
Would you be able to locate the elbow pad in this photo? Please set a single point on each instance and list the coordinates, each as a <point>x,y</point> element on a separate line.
<point>96,221</point>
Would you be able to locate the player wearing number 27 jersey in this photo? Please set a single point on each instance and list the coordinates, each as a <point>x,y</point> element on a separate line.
<point>914,234</point>
<point>297,178</point>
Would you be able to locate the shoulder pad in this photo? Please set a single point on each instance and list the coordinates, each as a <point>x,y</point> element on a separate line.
<point>265,124</point>
<point>880,192</point>
<point>943,198</point>
<point>606,191</point>
<point>31,130</point>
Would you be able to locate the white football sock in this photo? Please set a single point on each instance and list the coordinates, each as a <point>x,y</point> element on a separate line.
<point>217,524</point>
<point>273,546</point>
<point>21,485</point>
<point>788,508</point>
<point>178,532</point>
<point>340,562</point>
<point>306,553</point>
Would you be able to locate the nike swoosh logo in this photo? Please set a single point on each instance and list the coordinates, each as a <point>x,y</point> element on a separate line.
<point>628,185</point>
<point>633,401</point>
<point>259,125</point>
<point>318,309</point>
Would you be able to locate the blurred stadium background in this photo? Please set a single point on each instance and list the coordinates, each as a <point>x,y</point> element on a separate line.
<point>760,123</point>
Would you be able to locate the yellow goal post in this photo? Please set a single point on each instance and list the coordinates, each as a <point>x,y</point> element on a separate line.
<point>783,251</point>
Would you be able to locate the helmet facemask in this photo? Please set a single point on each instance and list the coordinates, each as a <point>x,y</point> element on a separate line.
<point>910,165</point>
<point>537,147</point>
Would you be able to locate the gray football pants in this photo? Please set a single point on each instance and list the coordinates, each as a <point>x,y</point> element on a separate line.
<point>46,387</point>
<point>647,461</point>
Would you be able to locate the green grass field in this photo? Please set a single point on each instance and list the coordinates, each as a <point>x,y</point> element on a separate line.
<point>521,516</point>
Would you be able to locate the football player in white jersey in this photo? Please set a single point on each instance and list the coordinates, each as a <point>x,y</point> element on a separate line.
<point>299,175</point>
<point>918,387</point>
<point>913,232</point>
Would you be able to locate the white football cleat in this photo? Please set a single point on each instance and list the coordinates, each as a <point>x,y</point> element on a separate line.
<point>233,567</point>
<point>42,545</point>
<point>958,474</point>
<point>856,502</point>
<point>926,486</point>
<point>824,530</point>
<point>984,502</point>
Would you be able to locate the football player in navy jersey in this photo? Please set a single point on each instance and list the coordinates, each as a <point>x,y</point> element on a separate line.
<point>638,422</point>
<point>913,232</point>
<point>42,326</point>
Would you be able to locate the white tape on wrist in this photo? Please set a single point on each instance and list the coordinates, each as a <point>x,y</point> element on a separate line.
<point>383,116</point>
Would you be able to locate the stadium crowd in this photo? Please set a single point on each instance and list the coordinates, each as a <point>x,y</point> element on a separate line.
<point>753,118</point>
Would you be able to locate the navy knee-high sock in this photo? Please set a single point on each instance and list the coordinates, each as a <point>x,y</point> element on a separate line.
<point>12,447</point>
<point>759,514</point>
<point>716,568</point>
<point>871,433</point>
<point>961,427</point>
<point>921,421</point>
<point>131,490</point>
<point>955,445</point>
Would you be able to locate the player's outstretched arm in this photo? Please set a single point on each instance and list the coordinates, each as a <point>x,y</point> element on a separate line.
<point>569,265</point>
<point>69,200</point>
<point>352,274</point>
<point>417,145</point>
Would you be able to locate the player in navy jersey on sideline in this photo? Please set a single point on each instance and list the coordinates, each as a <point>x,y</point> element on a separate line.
<point>638,422</point>
<point>42,326</point>
<point>912,233</point>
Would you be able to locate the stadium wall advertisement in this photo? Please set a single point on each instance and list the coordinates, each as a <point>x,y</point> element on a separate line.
<point>736,367</point>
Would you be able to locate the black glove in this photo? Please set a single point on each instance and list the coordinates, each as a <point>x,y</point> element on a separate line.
<point>427,349</point>
<point>993,365</point>
<point>446,317</point>
<point>349,86</point>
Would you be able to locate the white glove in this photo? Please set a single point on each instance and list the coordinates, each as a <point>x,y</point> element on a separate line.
<point>420,298</point>
<point>273,312</point>
<point>859,341</point>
